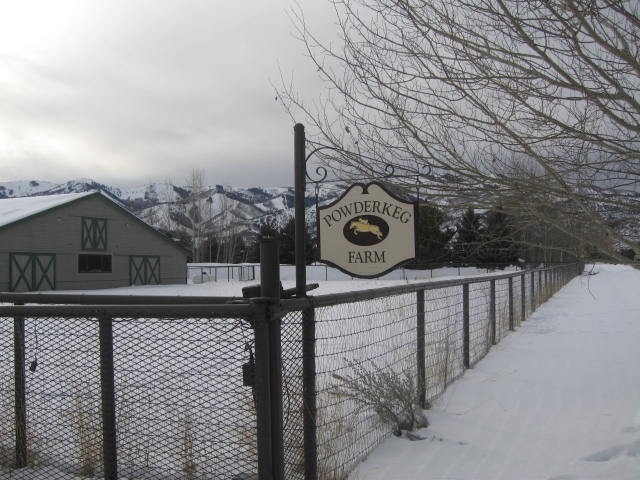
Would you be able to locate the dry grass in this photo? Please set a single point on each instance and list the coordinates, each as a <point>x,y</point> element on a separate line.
<point>189,465</point>
<point>88,430</point>
<point>133,448</point>
<point>7,431</point>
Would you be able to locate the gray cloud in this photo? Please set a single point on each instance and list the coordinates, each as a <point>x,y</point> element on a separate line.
<point>147,90</point>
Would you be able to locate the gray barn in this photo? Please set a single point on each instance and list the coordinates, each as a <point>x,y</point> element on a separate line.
<point>81,241</point>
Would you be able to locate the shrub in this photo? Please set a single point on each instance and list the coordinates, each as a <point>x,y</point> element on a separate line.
<point>393,397</point>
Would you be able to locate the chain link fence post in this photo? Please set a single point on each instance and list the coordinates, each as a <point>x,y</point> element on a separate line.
<point>511,319</point>
<point>268,365</point>
<point>309,413</point>
<point>107,389</point>
<point>523,298</point>
<point>547,286</point>
<point>420,349</point>
<point>492,310</point>
<point>465,321</point>
<point>533,292</point>
<point>262,393</point>
<point>270,289</point>
<point>20,391</point>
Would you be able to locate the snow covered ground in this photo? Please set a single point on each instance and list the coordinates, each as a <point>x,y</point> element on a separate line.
<point>557,400</point>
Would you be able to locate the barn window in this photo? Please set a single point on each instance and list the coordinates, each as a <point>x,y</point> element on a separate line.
<point>94,263</point>
<point>94,233</point>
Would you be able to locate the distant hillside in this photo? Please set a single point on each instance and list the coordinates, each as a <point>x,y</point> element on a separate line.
<point>221,210</point>
<point>225,211</point>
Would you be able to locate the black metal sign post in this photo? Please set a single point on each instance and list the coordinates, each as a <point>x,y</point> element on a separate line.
<point>309,408</point>
<point>398,210</point>
<point>300,188</point>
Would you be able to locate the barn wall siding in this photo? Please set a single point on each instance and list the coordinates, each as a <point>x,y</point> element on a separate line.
<point>59,232</point>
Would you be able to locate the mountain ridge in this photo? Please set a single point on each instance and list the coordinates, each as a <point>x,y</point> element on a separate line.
<point>226,211</point>
<point>217,209</point>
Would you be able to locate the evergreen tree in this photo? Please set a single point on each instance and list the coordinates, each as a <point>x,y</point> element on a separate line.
<point>469,237</point>
<point>287,242</point>
<point>268,228</point>
<point>499,246</point>
<point>432,239</point>
<point>286,236</point>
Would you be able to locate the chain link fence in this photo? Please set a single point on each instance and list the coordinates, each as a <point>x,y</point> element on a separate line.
<point>430,332</point>
<point>7,423</point>
<point>181,406</point>
<point>177,391</point>
<point>374,334</point>
<point>206,272</point>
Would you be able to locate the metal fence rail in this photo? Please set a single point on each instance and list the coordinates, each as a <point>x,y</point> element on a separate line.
<point>233,388</point>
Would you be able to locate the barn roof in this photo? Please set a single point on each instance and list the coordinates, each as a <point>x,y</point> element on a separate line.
<point>15,209</point>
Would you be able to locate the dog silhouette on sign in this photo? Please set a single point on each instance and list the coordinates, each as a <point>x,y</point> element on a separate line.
<point>362,225</point>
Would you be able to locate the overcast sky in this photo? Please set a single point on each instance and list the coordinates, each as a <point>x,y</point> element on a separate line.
<point>131,91</point>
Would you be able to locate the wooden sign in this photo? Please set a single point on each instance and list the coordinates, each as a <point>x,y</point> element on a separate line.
<point>368,231</point>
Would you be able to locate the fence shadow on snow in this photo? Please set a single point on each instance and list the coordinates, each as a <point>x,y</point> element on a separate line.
<point>167,388</point>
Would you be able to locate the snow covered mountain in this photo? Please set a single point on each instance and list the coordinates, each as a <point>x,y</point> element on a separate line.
<point>221,210</point>
<point>228,211</point>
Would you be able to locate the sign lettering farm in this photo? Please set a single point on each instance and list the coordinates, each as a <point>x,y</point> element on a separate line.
<point>367,232</point>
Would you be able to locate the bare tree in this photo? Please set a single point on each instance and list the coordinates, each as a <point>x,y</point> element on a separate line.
<point>167,198</point>
<point>525,103</point>
<point>230,233</point>
<point>194,211</point>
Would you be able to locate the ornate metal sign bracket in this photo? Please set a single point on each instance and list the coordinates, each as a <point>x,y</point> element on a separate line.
<point>301,176</point>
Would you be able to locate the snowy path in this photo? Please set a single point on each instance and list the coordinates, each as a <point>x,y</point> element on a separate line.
<point>559,399</point>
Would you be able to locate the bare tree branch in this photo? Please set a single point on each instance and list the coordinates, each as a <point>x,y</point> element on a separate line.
<point>505,101</point>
